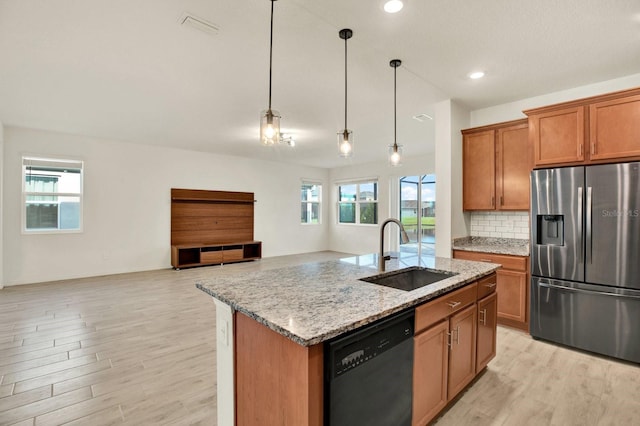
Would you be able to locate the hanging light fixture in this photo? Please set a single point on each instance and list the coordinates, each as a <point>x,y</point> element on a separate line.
<point>395,150</point>
<point>345,137</point>
<point>270,119</point>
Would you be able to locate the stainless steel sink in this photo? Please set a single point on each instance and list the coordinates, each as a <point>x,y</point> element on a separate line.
<point>409,278</point>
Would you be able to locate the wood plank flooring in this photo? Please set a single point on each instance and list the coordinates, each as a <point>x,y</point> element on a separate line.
<point>139,349</point>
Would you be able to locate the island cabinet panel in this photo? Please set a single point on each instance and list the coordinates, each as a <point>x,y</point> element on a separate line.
<point>462,353</point>
<point>615,128</point>
<point>278,382</point>
<point>431,353</point>
<point>486,336</point>
<point>444,351</point>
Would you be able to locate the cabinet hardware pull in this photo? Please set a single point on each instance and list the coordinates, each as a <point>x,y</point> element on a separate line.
<point>502,200</point>
<point>580,155</point>
<point>593,148</point>
<point>483,317</point>
<point>493,201</point>
<point>485,260</point>
<point>450,339</point>
<point>490,285</point>
<point>457,335</point>
<point>453,304</point>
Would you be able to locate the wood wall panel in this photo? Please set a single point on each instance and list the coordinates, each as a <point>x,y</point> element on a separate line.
<point>207,209</point>
<point>286,389</point>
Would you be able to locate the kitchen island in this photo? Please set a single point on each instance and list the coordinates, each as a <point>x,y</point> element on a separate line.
<point>271,326</point>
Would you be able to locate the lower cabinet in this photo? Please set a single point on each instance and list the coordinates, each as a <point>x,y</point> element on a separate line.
<point>455,339</point>
<point>513,285</point>
<point>487,323</point>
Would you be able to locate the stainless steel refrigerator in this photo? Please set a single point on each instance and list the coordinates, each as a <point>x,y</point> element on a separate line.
<point>585,258</point>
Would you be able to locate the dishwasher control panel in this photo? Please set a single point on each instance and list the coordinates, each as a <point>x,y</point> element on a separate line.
<point>350,351</point>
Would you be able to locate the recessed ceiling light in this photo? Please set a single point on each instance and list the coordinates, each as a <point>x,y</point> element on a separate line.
<point>476,75</point>
<point>393,6</point>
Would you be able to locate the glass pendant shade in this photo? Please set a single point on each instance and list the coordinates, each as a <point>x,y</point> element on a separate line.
<point>345,143</point>
<point>270,127</point>
<point>395,155</point>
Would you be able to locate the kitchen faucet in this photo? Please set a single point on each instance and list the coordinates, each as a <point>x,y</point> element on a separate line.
<point>403,235</point>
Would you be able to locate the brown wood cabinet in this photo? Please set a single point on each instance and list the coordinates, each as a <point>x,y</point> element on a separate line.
<point>450,348</point>
<point>212,227</point>
<point>512,286</point>
<point>486,336</point>
<point>496,167</point>
<point>600,129</point>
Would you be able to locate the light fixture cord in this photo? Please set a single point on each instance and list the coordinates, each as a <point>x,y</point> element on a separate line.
<point>395,114</point>
<point>345,84</point>
<point>270,53</point>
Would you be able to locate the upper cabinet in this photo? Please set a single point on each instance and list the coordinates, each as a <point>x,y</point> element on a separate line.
<point>496,167</point>
<point>600,129</point>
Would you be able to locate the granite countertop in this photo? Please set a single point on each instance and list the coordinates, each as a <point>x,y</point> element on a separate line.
<point>314,302</point>
<point>510,246</point>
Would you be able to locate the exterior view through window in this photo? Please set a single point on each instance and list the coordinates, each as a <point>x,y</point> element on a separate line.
<point>418,213</point>
<point>358,203</point>
<point>310,198</point>
<point>51,195</point>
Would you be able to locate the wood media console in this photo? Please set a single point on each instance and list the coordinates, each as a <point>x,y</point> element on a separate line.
<point>212,227</point>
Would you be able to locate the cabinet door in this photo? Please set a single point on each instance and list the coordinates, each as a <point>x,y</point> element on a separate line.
<point>487,330</point>
<point>462,354</point>
<point>512,295</point>
<point>614,128</point>
<point>478,175</point>
<point>558,136</point>
<point>430,373</point>
<point>513,168</point>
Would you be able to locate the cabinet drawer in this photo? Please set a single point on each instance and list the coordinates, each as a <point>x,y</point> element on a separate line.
<point>211,256</point>
<point>443,306</point>
<point>233,254</point>
<point>487,285</point>
<point>515,263</point>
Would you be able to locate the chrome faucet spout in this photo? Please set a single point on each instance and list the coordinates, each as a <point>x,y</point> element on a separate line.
<point>403,236</point>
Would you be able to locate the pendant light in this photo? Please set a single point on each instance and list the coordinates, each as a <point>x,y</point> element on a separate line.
<point>270,119</point>
<point>345,137</point>
<point>395,150</point>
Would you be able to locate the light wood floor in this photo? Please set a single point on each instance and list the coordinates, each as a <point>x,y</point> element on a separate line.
<point>139,349</point>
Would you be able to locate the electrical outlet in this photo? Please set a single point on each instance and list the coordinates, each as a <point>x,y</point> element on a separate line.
<point>223,332</point>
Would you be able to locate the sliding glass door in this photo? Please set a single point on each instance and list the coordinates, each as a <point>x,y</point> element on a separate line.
<point>418,213</point>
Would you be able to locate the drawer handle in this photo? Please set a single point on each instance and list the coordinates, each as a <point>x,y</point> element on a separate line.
<point>452,305</point>
<point>490,285</point>
<point>456,332</point>
<point>486,260</point>
<point>483,317</point>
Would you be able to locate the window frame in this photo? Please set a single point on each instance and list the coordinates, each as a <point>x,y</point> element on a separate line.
<point>357,202</point>
<point>29,161</point>
<point>319,202</point>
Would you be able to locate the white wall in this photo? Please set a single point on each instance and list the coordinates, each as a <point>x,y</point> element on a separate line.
<point>127,205</point>
<point>451,222</point>
<point>1,203</point>
<point>361,239</point>
<point>513,110</point>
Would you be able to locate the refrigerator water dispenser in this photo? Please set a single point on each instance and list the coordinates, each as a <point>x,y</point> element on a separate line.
<point>550,230</point>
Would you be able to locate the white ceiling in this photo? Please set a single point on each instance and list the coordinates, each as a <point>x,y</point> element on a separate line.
<point>126,70</point>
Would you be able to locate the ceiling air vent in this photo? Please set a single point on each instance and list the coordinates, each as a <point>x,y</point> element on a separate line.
<point>189,20</point>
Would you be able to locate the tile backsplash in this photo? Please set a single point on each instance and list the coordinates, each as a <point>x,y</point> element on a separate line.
<point>500,224</point>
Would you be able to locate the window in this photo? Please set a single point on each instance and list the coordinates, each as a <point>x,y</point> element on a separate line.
<point>310,199</point>
<point>51,195</point>
<point>358,203</point>
<point>418,212</point>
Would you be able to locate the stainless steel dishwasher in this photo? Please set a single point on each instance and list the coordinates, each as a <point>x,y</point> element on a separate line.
<point>369,374</point>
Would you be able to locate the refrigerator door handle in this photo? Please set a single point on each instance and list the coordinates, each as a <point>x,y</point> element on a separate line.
<point>579,290</point>
<point>581,251</point>
<point>589,239</point>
